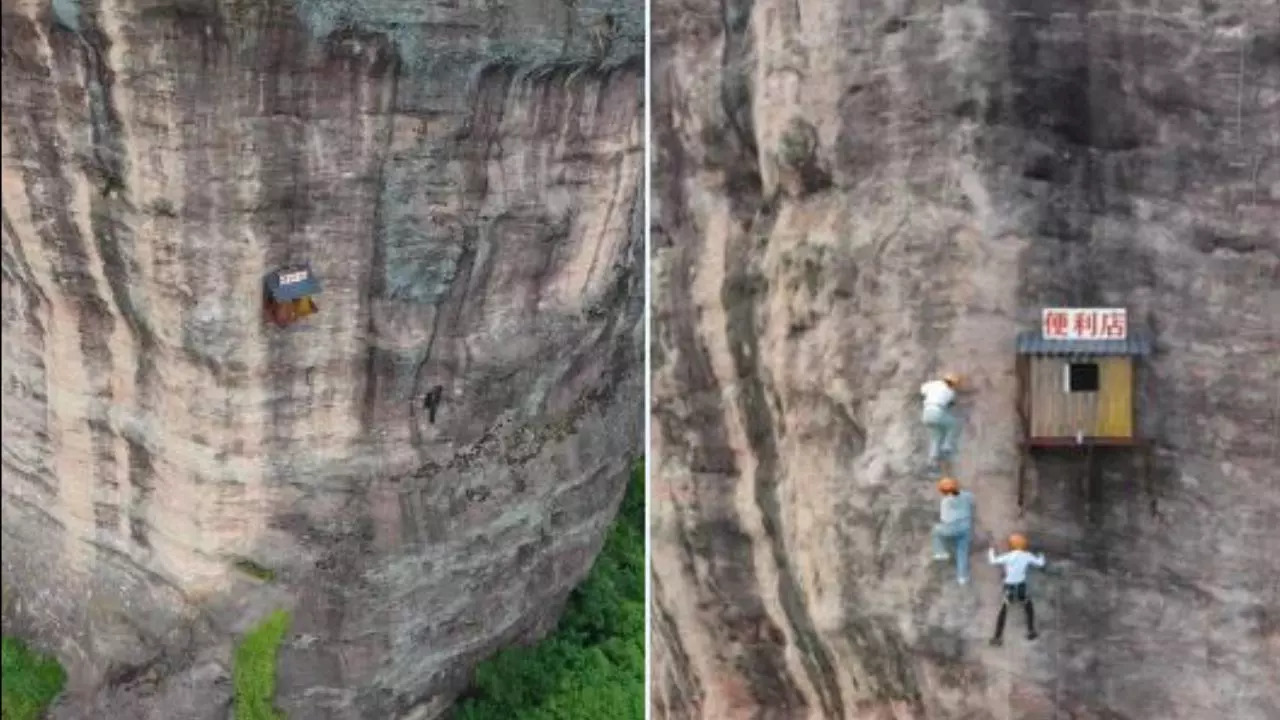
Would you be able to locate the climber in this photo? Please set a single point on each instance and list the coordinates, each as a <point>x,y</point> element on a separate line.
<point>939,395</point>
<point>955,526</point>
<point>432,401</point>
<point>1015,564</point>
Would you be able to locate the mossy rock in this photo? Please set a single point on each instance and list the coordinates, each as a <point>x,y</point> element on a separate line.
<point>255,668</point>
<point>254,570</point>
<point>798,143</point>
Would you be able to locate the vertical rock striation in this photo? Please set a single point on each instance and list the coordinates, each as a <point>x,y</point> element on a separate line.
<point>849,197</point>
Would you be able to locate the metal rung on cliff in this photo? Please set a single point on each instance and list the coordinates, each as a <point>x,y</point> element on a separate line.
<point>1238,154</point>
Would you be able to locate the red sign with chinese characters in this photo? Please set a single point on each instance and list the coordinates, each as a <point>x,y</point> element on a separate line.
<point>1084,324</point>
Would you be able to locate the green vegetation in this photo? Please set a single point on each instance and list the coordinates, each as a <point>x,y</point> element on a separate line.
<point>593,665</point>
<point>798,143</point>
<point>255,669</point>
<point>31,681</point>
<point>253,569</point>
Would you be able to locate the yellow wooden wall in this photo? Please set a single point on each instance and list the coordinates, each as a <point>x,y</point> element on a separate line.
<point>1115,399</point>
<point>1056,413</point>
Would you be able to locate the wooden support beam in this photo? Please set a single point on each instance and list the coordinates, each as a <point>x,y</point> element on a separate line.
<point>1023,459</point>
<point>1092,478</point>
<point>1023,403</point>
<point>1147,452</point>
<point>1082,480</point>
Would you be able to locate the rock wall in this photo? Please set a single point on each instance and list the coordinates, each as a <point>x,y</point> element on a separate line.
<point>851,197</point>
<point>464,179</point>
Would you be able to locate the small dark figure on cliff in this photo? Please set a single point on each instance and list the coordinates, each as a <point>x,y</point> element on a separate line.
<point>1015,563</point>
<point>112,185</point>
<point>432,402</point>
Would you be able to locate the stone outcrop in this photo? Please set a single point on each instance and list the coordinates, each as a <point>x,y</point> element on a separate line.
<point>851,197</point>
<point>464,178</point>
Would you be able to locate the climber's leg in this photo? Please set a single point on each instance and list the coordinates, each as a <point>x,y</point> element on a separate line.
<point>962,539</point>
<point>940,542</point>
<point>950,428</point>
<point>1031,620</point>
<point>932,418</point>
<point>997,638</point>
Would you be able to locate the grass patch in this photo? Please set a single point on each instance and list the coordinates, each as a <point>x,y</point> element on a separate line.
<point>255,669</point>
<point>31,681</point>
<point>253,569</point>
<point>593,665</point>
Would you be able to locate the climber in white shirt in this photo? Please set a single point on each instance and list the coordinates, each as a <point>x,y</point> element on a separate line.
<point>939,396</point>
<point>1015,564</point>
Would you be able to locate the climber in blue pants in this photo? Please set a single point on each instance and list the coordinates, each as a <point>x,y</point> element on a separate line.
<point>955,526</point>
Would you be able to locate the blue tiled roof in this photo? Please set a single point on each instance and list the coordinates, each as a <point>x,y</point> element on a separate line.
<point>1031,343</point>
<point>294,290</point>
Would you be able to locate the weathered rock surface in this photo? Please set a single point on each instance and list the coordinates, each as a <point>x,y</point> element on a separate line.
<point>850,197</point>
<point>466,185</point>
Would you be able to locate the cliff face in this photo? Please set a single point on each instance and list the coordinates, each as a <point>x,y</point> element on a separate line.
<point>850,197</point>
<point>465,181</point>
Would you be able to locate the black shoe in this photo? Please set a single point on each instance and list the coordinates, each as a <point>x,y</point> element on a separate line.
<point>996,642</point>
<point>1033,635</point>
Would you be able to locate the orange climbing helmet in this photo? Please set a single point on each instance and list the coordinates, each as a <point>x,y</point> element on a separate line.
<point>951,379</point>
<point>1018,541</point>
<point>948,486</point>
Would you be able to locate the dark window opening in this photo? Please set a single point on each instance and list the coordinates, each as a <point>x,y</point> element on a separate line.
<point>1082,377</point>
